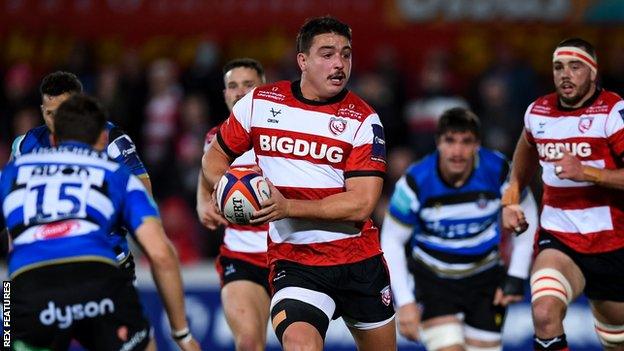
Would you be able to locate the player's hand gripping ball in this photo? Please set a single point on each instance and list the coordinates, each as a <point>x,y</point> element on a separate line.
<point>239,193</point>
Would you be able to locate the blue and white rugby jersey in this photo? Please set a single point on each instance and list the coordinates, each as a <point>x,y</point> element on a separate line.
<point>120,149</point>
<point>455,231</point>
<point>60,204</point>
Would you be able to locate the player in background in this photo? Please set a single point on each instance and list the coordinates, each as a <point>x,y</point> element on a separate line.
<point>577,136</point>
<point>242,261</point>
<point>447,207</point>
<point>60,204</point>
<point>55,88</point>
<point>322,149</point>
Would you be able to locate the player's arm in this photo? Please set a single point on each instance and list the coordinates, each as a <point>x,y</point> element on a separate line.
<point>206,211</point>
<point>512,287</point>
<point>356,203</point>
<point>524,164</point>
<point>122,149</point>
<point>215,163</point>
<point>140,215</point>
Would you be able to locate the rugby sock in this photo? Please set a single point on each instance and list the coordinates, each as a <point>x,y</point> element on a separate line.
<point>558,343</point>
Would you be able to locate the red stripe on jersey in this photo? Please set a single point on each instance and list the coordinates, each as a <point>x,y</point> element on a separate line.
<point>591,243</point>
<point>256,258</point>
<point>308,193</point>
<point>529,137</point>
<point>235,137</point>
<point>362,159</point>
<point>575,198</point>
<point>251,228</point>
<point>301,146</point>
<point>617,142</point>
<point>344,251</point>
<point>582,148</point>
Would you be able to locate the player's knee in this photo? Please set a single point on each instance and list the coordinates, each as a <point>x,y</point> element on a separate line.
<point>550,282</point>
<point>547,314</point>
<point>301,336</point>
<point>609,335</point>
<point>249,342</point>
<point>442,336</point>
<point>289,311</point>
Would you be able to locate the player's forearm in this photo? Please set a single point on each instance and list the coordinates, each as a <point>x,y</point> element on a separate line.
<point>524,164</point>
<point>204,191</point>
<point>521,256</point>
<point>394,235</point>
<point>354,206</point>
<point>166,273</point>
<point>214,164</point>
<point>609,178</point>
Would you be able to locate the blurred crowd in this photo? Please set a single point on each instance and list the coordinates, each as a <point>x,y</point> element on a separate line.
<point>167,109</point>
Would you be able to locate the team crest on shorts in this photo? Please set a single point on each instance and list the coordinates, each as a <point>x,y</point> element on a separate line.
<point>337,125</point>
<point>585,123</point>
<point>386,295</point>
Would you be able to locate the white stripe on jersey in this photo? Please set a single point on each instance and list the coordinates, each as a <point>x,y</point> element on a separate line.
<point>245,240</point>
<point>301,231</point>
<point>466,210</point>
<point>66,157</point>
<point>583,221</point>
<point>316,123</point>
<point>550,178</point>
<point>566,126</point>
<point>484,236</point>
<point>34,233</point>
<point>246,159</point>
<point>300,173</point>
<point>100,203</point>
<point>13,201</point>
<point>455,270</point>
<point>134,184</point>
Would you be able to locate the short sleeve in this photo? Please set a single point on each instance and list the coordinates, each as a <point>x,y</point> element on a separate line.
<point>234,135</point>
<point>527,125</point>
<point>614,128</point>
<point>404,204</point>
<point>368,156</point>
<point>122,150</point>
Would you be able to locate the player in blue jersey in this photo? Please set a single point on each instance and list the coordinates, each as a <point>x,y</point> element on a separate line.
<point>447,207</point>
<point>55,88</point>
<point>59,204</point>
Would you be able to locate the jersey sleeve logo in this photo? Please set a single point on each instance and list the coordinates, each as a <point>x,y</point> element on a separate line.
<point>379,144</point>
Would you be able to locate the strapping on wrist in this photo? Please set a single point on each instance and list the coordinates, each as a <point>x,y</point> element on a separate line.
<point>511,196</point>
<point>594,175</point>
<point>182,335</point>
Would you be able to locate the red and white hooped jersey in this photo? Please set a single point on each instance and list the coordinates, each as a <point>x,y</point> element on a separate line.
<point>308,149</point>
<point>243,242</point>
<point>586,217</point>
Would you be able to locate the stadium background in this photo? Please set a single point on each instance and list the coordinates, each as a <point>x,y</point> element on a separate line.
<point>156,66</point>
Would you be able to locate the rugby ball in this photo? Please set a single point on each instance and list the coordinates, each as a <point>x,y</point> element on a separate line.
<point>239,193</point>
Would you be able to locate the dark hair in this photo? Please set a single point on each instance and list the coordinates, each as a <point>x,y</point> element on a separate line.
<point>580,43</point>
<point>320,25</point>
<point>79,118</point>
<point>59,82</point>
<point>245,62</point>
<point>459,119</point>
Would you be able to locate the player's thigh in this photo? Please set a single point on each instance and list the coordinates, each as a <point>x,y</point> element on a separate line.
<point>381,338</point>
<point>552,260</point>
<point>610,312</point>
<point>246,307</point>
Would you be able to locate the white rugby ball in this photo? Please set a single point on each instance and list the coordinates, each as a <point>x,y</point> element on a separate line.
<point>239,193</point>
